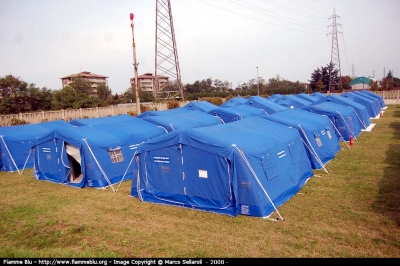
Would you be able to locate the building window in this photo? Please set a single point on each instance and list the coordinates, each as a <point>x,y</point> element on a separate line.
<point>116,155</point>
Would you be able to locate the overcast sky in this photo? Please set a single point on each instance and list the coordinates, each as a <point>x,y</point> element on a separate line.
<point>44,40</point>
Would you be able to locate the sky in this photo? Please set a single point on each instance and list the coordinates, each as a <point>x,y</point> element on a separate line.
<point>231,40</point>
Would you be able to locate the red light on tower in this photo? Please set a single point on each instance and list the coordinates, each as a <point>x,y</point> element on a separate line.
<point>131,16</point>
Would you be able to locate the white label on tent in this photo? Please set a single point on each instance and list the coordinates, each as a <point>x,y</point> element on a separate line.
<point>323,132</point>
<point>319,142</point>
<point>329,134</point>
<point>203,173</point>
<point>244,209</point>
<point>281,154</point>
<point>160,159</point>
<point>133,146</point>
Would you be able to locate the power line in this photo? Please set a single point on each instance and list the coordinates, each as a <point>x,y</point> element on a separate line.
<point>345,52</point>
<point>273,15</point>
<point>256,19</point>
<point>307,7</point>
<point>291,10</point>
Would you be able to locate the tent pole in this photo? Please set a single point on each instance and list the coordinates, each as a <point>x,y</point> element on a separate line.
<point>12,159</point>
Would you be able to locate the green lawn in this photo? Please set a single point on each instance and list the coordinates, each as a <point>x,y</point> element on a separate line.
<point>354,211</point>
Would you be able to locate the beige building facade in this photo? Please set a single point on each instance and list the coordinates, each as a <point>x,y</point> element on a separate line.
<point>146,82</point>
<point>93,79</point>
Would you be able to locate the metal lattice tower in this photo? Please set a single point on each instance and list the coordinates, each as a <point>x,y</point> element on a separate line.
<point>166,54</point>
<point>335,58</point>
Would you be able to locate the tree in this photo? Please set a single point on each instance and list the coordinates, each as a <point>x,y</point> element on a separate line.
<point>320,86</point>
<point>18,96</point>
<point>11,86</point>
<point>104,94</point>
<point>346,82</point>
<point>373,85</point>
<point>324,74</point>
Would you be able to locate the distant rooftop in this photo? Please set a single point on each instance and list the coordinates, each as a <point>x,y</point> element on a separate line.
<point>85,74</point>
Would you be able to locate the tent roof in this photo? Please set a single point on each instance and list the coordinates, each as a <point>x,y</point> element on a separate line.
<point>253,135</point>
<point>239,110</point>
<point>291,100</point>
<point>260,102</point>
<point>275,97</point>
<point>107,135</point>
<point>31,131</point>
<point>201,106</point>
<point>100,120</point>
<point>307,97</point>
<point>331,109</point>
<point>179,110</point>
<point>296,117</point>
<point>190,119</point>
<point>233,102</point>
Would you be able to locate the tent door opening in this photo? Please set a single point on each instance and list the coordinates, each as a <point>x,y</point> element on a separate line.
<point>74,158</point>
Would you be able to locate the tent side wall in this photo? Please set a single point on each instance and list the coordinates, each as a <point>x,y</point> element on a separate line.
<point>230,178</point>
<point>200,184</point>
<point>361,110</point>
<point>316,131</point>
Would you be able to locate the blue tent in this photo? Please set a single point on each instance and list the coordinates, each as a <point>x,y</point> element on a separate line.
<point>275,97</point>
<point>203,106</point>
<point>268,106</point>
<point>186,120</point>
<point>342,117</point>
<point>17,141</point>
<point>307,97</point>
<point>233,102</point>
<point>95,156</point>
<point>380,98</point>
<point>360,110</point>
<point>369,104</point>
<point>317,133</point>
<point>376,100</point>
<point>235,113</point>
<point>179,110</point>
<point>101,120</point>
<point>248,167</point>
<point>291,101</point>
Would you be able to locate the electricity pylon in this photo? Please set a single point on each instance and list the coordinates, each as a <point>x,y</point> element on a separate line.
<point>166,54</point>
<point>335,58</point>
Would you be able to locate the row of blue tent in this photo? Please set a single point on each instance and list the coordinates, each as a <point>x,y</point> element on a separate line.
<point>247,156</point>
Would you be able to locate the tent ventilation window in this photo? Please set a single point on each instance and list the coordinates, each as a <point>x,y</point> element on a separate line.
<point>317,139</point>
<point>116,155</point>
<point>328,131</point>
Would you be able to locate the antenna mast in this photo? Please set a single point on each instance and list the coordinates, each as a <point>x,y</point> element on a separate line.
<point>335,58</point>
<point>166,54</point>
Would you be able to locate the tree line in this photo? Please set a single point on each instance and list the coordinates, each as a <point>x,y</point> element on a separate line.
<point>18,96</point>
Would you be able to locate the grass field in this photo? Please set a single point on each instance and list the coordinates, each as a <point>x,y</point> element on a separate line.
<point>354,211</point>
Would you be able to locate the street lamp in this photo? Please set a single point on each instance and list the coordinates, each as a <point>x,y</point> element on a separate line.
<point>258,84</point>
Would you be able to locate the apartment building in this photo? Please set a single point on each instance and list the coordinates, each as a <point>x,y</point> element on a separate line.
<point>146,82</point>
<point>93,79</point>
